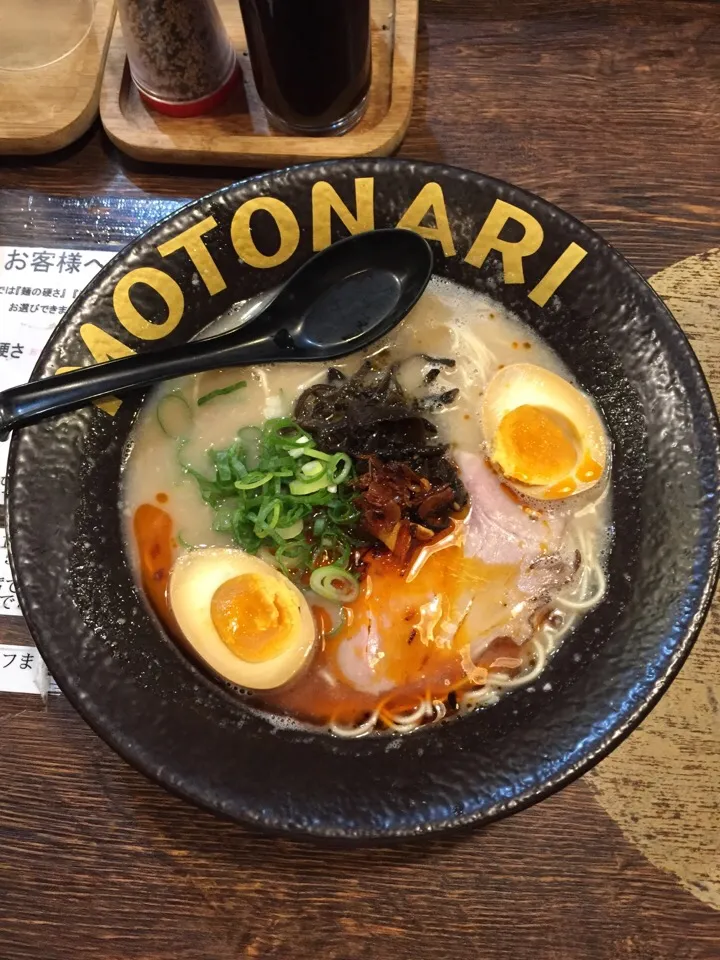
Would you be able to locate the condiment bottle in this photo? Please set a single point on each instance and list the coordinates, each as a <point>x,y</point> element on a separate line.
<point>312,61</point>
<point>180,56</point>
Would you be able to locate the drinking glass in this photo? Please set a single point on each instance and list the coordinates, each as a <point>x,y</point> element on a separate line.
<point>37,33</point>
<point>311,60</point>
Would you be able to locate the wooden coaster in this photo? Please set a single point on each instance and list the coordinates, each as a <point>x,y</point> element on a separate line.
<point>237,133</point>
<point>661,785</point>
<point>46,109</point>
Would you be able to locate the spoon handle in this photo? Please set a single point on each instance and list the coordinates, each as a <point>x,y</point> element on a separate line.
<point>31,401</point>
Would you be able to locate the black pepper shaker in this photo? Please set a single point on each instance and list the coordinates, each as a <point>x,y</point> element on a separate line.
<point>180,56</point>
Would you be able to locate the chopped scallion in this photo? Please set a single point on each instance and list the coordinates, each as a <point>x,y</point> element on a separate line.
<point>339,468</point>
<point>334,583</point>
<point>253,480</point>
<point>301,488</point>
<point>174,416</point>
<point>312,469</point>
<point>220,392</point>
<point>272,491</point>
<point>289,533</point>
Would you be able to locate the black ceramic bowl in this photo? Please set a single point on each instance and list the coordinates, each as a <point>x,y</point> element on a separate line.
<point>160,712</point>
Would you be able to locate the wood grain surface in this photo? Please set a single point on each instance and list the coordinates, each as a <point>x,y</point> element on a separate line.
<point>611,109</point>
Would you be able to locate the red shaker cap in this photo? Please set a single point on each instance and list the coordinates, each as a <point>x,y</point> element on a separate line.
<point>194,108</point>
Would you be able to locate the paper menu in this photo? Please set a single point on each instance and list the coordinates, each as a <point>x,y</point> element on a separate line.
<point>22,669</point>
<point>37,285</point>
<point>8,599</point>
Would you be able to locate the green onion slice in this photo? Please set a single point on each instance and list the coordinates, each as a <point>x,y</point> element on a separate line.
<point>339,468</point>
<point>312,469</point>
<point>317,454</point>
<point>284,432</point>
<point>334,583</point>
<point>301,488</point>
<point>267,518</point>
<point>220,392</point>
<point>174,416</point>
<point>290,532</point>
<point>293,554</point>
<point>342,511</point>
<point>253,480</point>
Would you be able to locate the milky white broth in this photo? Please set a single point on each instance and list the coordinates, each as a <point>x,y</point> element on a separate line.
<point>449,321</point>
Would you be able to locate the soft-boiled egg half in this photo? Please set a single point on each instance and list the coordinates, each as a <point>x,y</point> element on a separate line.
<point>543,434</point>
<point>241,616</point>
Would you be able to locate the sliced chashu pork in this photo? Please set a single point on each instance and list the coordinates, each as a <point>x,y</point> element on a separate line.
<point>502,530</point>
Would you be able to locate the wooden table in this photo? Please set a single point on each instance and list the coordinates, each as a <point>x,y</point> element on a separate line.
<point>612,110</point>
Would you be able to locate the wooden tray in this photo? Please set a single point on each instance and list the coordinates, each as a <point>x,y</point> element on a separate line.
<point>238,132</point>
<point>46,109</point>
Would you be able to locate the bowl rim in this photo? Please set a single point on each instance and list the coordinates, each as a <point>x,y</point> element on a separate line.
<point>132,751</point>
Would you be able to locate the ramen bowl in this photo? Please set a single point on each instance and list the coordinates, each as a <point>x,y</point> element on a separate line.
<point>167,716</point>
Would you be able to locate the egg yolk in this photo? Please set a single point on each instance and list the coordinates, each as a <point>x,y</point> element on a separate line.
<point>565,488</point>
<point>253,616</point>
<point>589,470</point>
<point>535,446</point>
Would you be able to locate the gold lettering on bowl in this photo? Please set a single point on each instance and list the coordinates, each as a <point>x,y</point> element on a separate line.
<point>131,318</point>
<point>243,242</point>
<point>559,271</point>
<point>325,200</point>
<point>512,251</point>
<point>430,200</point>
<point>192,241</point>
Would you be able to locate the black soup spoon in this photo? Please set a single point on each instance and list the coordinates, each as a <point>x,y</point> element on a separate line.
<point>342,300</point>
